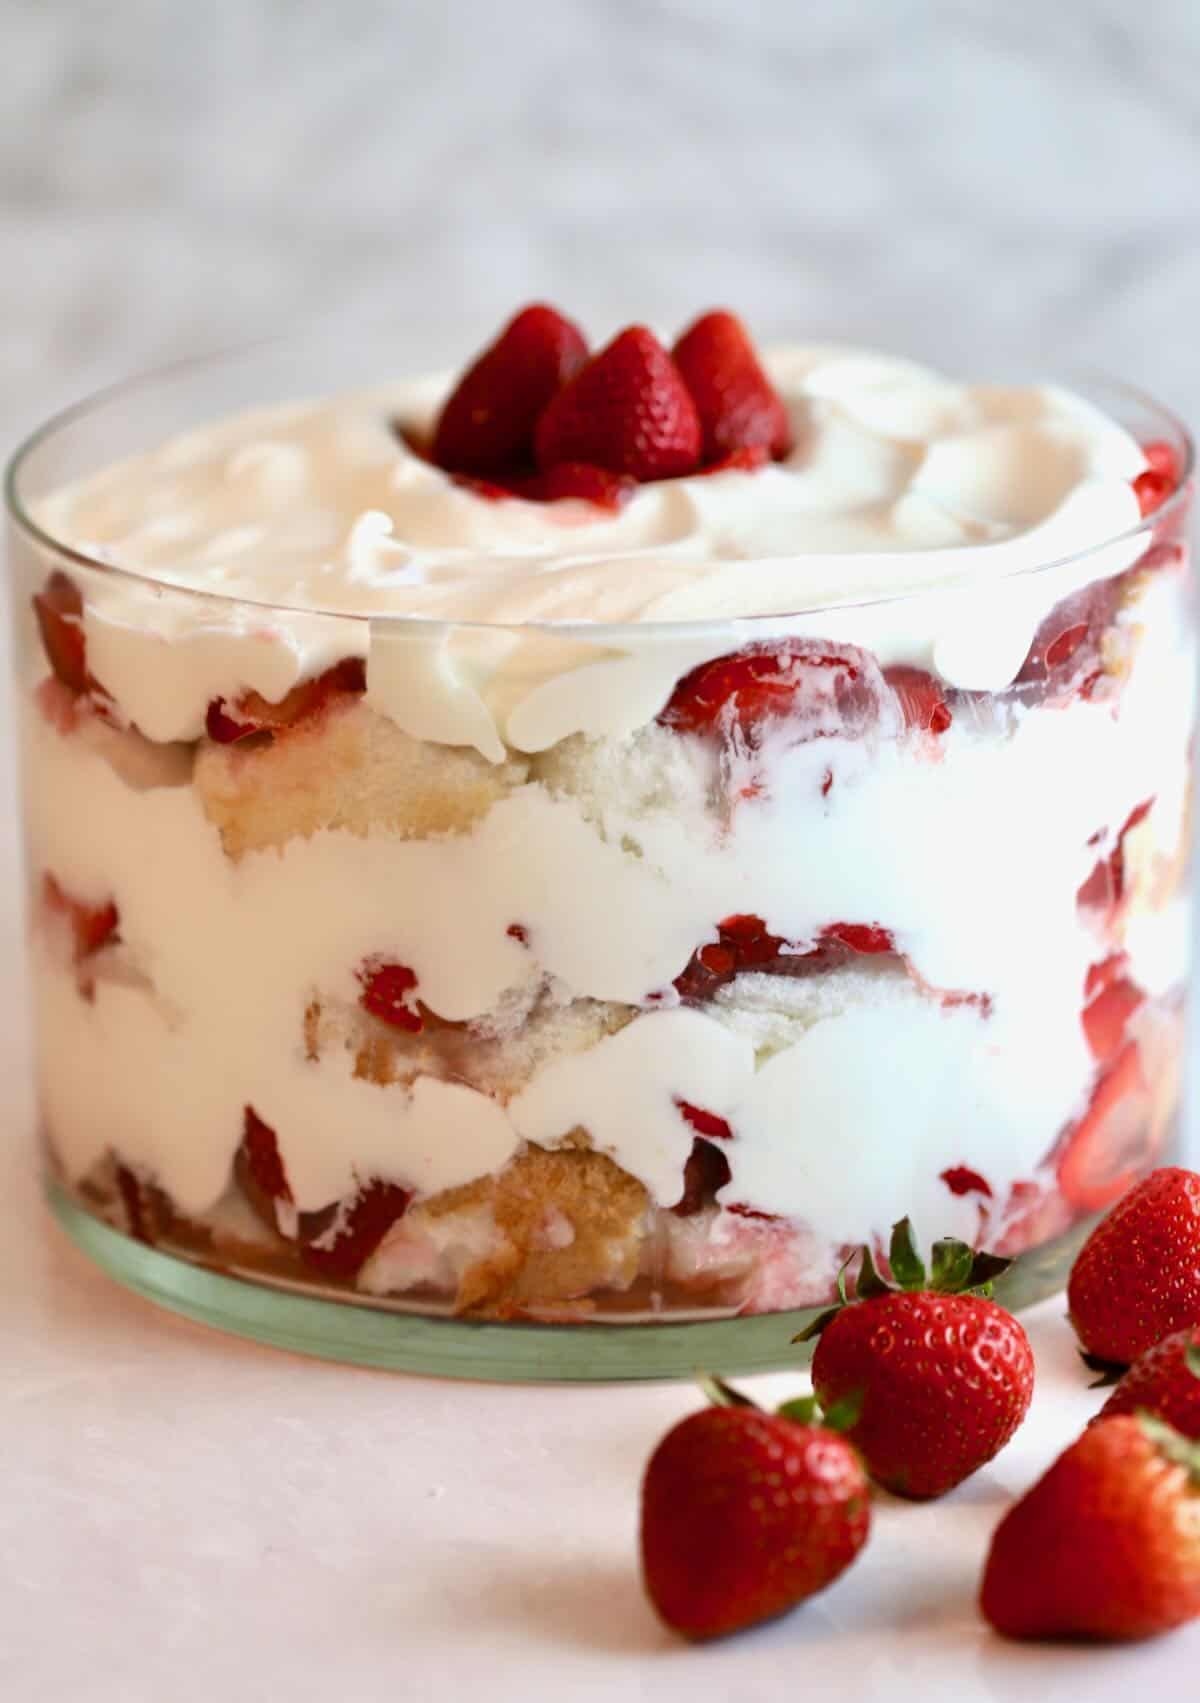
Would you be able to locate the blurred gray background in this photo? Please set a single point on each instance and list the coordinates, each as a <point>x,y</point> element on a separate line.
<point>976,181</point>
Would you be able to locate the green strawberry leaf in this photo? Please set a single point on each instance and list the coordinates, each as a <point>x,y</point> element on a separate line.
<point>805,1410</point>
<point>1191,1358</point>
<point>950,1271</point>
<point>845,1412</point>
<point>984,1267</point>
<point>869,1281</point>
<point>908,1268</point>
<point>818,1325</point>
<point>721,1394</point>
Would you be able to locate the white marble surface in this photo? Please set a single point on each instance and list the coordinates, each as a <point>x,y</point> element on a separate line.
<point>974,181</point>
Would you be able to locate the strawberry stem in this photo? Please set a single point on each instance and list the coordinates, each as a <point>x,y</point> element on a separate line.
<point>957,1270</point>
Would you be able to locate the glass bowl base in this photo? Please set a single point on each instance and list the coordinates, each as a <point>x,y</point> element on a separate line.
<point>449,1347</point>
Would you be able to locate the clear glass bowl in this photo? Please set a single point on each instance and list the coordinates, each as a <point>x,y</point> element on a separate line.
<point>585,1056</point>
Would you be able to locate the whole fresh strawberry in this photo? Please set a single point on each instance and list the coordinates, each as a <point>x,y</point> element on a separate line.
<point>942,1375</point>
<point>1164,1382</point>
<point>738,406</point>
<point>1137,1277</point>
<point>1107,1544</point>
<point>746,1513</point>
<point>486,425</point>
<point>628,410</point>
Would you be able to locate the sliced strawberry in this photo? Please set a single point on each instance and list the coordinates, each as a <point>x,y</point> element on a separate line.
<point>258,1170</point>
<point>1161,457</point>
<point>1162,556</point>
<point>252,714</point>
<point>265,1162</point>
<point>1109,1147</point>
<point>345,1240</point>
<point>1066,657</point>
<point>386,989</point>
<point>1060,650</point>
<point>740,1209</point>
<point>58,608</point>
<point>705,1123</point>
<point>1112,1000</point>
<point>1152,490</point>
<point>628,410</point>
<point>487,423</point>
<point>866,938</point>
<point>1155,485</point>
<point>961,1180</point>
<point>922,699</point>
<point>92,926</point>
<point>824,692</point>
<point>737,404</point>
<point>744,943</point>
<point>1117,861</point>
<point>337,1239</point>
<point>1104,974</point>
<point>1034,1214</point>
<point>1101,894</point>
<point>706,1171</point>
<point>147,1211</point>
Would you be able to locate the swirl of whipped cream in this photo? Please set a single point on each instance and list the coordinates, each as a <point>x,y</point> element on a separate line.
<point>901,521</point>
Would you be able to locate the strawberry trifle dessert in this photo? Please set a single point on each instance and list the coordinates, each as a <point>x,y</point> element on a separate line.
<point>600,836</point>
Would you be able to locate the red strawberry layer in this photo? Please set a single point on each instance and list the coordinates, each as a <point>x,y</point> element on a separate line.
<point>744,943</point>
<point>1109,1147</point>
<point>820,691</point>
<point>335,1241</point>
<point>252,714</point>
<point>58,610</point>
<point>387,994</point>
<point>1156,484</point>
<point>91,927</point>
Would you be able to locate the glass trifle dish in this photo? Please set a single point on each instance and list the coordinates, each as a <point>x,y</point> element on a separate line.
<point>529,869</point>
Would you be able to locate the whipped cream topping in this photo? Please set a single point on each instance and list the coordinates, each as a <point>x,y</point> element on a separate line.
<point>901,521</point>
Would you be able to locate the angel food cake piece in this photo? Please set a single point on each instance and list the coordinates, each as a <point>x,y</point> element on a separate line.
<point>629,826</point>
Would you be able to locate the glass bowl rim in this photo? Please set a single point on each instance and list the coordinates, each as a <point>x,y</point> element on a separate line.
<point>962,583</point>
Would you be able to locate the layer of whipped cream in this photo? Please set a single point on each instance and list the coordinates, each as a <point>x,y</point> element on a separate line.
<point>844,1115</point>
<point>904,520</point>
